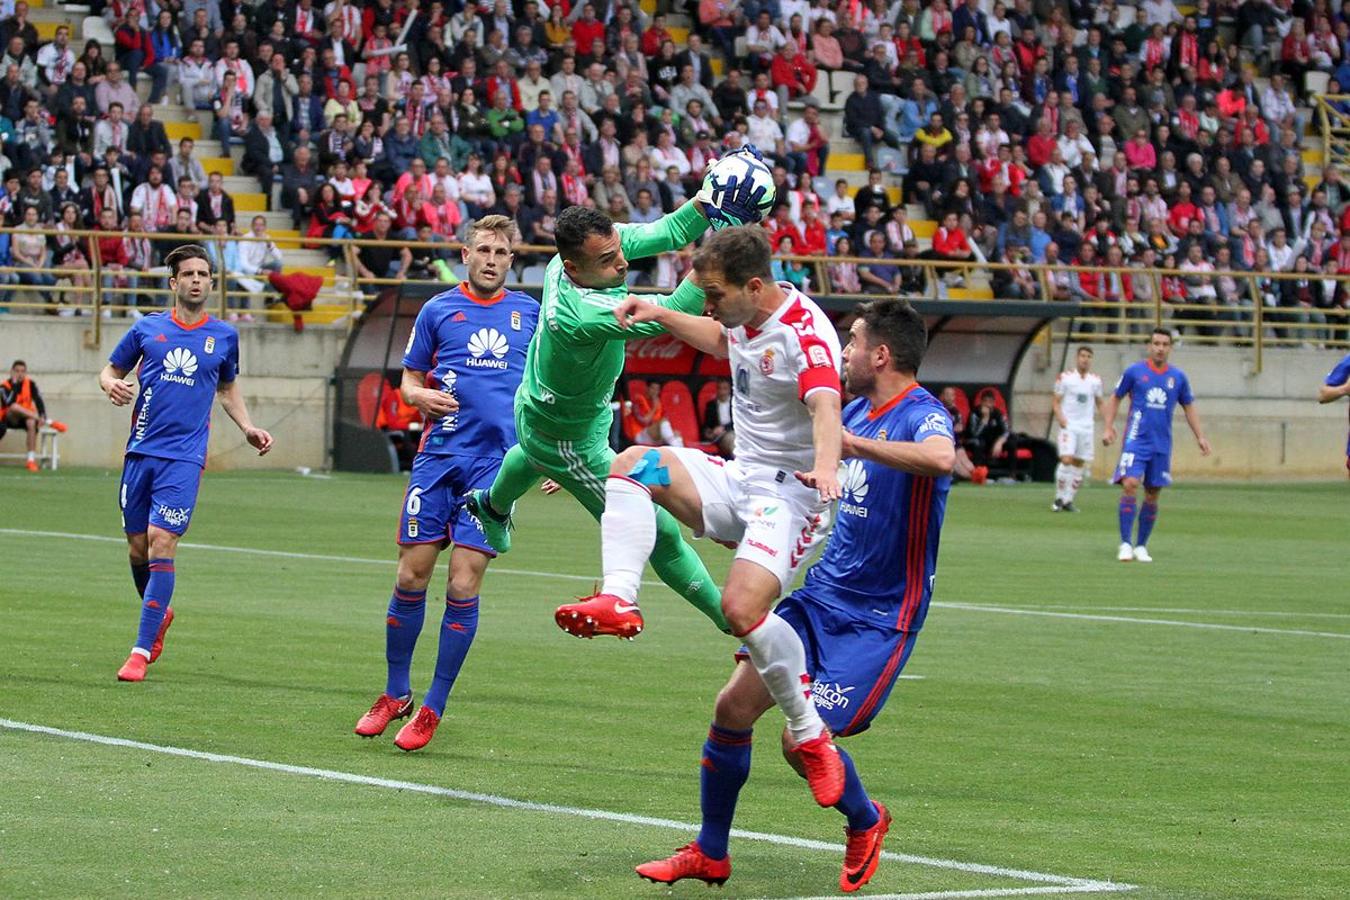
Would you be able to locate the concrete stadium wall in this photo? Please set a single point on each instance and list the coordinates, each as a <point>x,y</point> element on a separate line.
<point>1262,426</point>
<point>284,380</point>
<point>1266,426</point>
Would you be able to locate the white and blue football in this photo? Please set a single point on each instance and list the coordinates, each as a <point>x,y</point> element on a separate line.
<point>737,189</point>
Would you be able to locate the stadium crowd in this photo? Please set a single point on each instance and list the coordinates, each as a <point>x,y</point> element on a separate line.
<point>1031,131</point>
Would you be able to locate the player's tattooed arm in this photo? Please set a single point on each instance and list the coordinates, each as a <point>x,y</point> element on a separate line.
<point>430,402</point>
<point>112,381</point>
<point>232,401</point>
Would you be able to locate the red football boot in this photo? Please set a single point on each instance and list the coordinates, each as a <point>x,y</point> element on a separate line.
<point>133,669</point>
<point>419,732</point>
<point>31,465</point>
<point>58,427</point>
<point>688,862</point>
<point>863,851</point>
<point>158,646</point>
<point>600,614</point>
<point>824,768</point>
<point>382,712</point>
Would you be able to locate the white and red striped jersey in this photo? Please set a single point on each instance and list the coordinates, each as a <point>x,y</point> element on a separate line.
<point>774,369</point>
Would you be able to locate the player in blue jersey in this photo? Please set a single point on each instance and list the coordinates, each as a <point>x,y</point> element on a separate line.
<point>1155,388</point>
<point>1336,386</point>
<point>862,605</point>
<point>461,368</point>
<point>184,361</point>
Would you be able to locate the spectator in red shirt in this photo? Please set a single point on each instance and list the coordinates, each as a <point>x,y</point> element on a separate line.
<point>812,242</point>
<point>588,28</point>
<point>1042,143</point>
<point>793,71</point>
<point>655,35</point>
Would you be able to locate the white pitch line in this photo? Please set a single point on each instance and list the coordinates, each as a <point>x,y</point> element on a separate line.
<point>1211,626</point>
<point>1087,887</point>
<point>1282,614</point>
<point>1065,884</point>
<point>536,573</point>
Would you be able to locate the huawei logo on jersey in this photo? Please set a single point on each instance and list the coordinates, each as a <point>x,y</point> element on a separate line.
<point>854,483</point>
<point>487,346</point>
<point>1156,398</point>
<point>179,366</point>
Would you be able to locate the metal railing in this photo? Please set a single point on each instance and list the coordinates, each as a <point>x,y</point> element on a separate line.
<point>1333,117</point>
<point>1257,310</point>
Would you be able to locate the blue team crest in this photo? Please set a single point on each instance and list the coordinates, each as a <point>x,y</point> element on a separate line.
<point>1171,382</point>
<point>210,345</point>
<point>515,320</point>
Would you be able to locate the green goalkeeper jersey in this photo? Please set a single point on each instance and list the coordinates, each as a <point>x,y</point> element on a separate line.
<point>577,353</point>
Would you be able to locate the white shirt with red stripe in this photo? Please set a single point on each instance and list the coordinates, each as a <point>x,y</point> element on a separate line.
<point>775,368</point>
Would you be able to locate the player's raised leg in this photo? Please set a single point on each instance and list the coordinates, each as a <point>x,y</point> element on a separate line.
<point>628,532</point>
<point>493,505</point>
<point>583,471</point>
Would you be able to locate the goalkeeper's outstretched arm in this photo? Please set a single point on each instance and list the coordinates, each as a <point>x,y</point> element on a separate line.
<point>667,234</point>
<point>595,316</point>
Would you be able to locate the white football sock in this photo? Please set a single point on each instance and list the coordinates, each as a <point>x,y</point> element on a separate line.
<point>31,456</point>
<point>1075,481</point>
<point>778,656</point>
<point>1061,482</point>
<point>627,536</point>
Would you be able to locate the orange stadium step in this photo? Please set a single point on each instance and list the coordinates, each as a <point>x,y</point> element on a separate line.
<point>923,228</point>
<point>176,131</point>
<point>217,165</point>
<point>250,202</point>
<point>848,162</point>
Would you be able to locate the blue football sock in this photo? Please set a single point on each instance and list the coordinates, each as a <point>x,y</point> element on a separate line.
<point>725,767</point>
<point>407,609</point>
<point>457,629</point>
<point>140,574</point>
<point>158,595</point>
<point>855,804</point>
<point>1128,507</point>
<point>1148,515</point>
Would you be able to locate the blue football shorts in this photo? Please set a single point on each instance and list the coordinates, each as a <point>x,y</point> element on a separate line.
<point>1154,469</point>
<point>159,492</point>
<point>853,662</point>
<point>433,507</point>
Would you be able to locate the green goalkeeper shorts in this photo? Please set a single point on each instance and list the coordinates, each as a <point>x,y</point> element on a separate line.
<point>581,467</point>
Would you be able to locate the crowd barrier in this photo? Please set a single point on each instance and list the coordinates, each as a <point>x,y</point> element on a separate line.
<point>1256,310</point>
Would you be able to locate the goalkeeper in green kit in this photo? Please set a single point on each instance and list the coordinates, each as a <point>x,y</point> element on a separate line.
<point>562,410</point>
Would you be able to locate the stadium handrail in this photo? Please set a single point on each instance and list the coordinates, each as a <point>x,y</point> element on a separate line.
<point>1106,320</point>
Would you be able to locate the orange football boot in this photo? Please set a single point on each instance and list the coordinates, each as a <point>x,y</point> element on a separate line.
<point>158,646</point>
<point>418,733</point>
<point>600,614</point>
<point>824,768</point>
<point>688,862</point>
<point>863,851</point>
<point>383,711</point>
<point>133,669</point>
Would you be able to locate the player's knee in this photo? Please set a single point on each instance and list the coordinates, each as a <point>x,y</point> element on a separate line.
<point>627,460</point>
<point>644,465</point>
<point>1130,486</point>
<point>734,710</point>
<point>414,574</point>
<point>163,544</point>
<point>742,611</point>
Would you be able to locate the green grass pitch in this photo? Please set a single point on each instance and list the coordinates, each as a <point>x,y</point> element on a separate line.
<point>1182,727</point>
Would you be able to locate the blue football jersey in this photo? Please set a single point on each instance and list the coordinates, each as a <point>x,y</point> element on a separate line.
<point>1154,394</point>
<point>475,350</point>
<point>1339,376</point>
<point>179,368</point>
<point>881,560</point>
